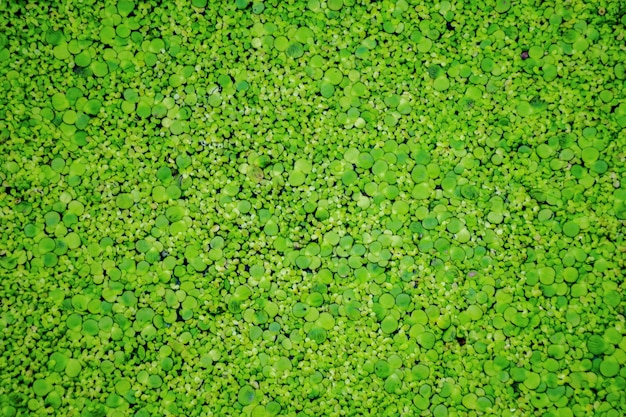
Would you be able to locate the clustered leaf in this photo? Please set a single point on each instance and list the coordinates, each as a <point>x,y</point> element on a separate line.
<point>334,207</point>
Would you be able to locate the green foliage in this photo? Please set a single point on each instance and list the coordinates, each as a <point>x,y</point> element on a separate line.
<point>267,208</point>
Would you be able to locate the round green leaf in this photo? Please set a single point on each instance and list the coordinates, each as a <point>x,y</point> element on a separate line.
<point>124,201</point>
<point>41,387</point>
<point>246,395</point>
<point>609,367</point>
<point>73,368</point>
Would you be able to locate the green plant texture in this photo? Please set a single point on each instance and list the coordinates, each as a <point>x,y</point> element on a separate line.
<point>312,208</point>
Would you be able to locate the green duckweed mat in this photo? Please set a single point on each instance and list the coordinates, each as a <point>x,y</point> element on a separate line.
<point>312,208</point>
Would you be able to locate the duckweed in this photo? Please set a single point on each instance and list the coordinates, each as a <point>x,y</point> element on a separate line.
<point>267,208</point>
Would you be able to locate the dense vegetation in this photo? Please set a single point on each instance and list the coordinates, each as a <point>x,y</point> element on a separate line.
<point>312,208</point>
